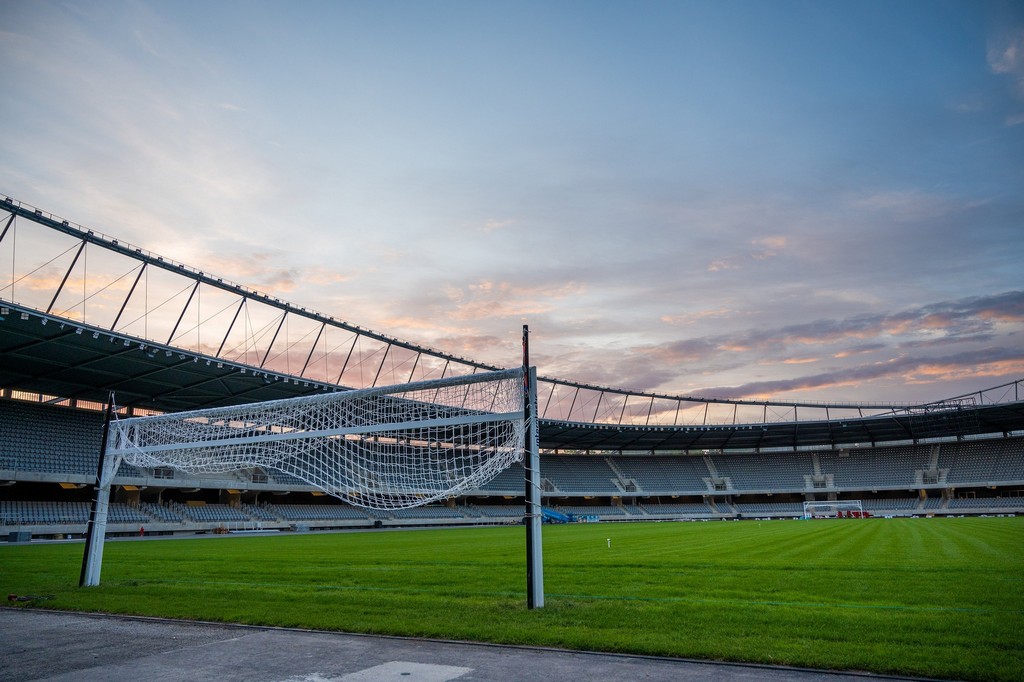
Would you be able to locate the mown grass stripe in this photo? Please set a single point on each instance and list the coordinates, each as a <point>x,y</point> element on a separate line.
<point>682,600</point>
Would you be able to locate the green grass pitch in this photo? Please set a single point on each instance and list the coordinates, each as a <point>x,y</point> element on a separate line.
<point>933,597</point>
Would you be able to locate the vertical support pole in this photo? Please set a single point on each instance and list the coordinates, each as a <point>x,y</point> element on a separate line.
<point>323,326</point>
<point>6,227</point>
<point>92,559</point>
<point>184,310</point>
<point>355,339</point>
<point>127,298</point>
<point>67,274</point>
<point>531,466</point>
<point>381,366</point>
<point>272,340</point>
<point>415,363</point>
<point>231,326</point>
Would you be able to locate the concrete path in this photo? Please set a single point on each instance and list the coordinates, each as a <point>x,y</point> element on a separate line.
<point>66,647</point>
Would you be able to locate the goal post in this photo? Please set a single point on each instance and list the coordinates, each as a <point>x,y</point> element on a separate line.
<point>381,448</point>
<point>532,497</point>
<point>96,527</point>
<point>832,508</point>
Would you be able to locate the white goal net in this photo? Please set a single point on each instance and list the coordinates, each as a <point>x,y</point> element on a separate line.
<point>382,448</point>
<point>835,508</point>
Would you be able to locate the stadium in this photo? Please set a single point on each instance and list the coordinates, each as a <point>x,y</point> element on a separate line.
<point>607,455</point>
<point>88,321</point>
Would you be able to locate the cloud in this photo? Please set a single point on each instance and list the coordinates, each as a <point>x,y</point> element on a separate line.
<point>489,299</point>
<point>684,351</point>
<point>962,319</point>
<point>1006,58</point>
<point>258,270</point>
<point>143,41</point>
<point>861,349</point>
<point>764,248</point>
<point>690,318</point>
<point>722,264</point>
<point>905,205</point>
<point>136,123</point>
<point>871,341</point>
<point>322,276</point>
<point>769,247</point>
<point>1005,307</point>
<point>472,345</point>
<point>494,225</point>
<point>1006,55</point>
<point>945,341</point>
<point>986,362</point>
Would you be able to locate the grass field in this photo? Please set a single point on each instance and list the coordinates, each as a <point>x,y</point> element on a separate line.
<point>932,597</point>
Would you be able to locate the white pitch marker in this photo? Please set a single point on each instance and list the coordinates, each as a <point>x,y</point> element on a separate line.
<point>405,671</point>
<point>393,671</point>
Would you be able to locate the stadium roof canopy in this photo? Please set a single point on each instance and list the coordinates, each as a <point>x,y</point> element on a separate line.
<point>64,359</point>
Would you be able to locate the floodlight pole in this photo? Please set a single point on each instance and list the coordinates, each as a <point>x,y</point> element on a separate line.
<point>531,466</point>
<point>92,559</point>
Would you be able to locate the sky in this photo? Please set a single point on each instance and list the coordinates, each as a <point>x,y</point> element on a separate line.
<point>813,200</point>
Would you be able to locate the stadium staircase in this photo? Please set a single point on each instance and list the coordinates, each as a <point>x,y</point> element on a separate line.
<point>260,513</point>
<point>623,482</point>
<point>635,510</point>
<point>716,482</point>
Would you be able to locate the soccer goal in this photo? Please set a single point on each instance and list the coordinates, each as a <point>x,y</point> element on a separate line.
<point>382,448</point>
<point>834,509</point>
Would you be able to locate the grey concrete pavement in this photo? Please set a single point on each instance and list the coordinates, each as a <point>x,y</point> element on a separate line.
<point>66,647</point>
